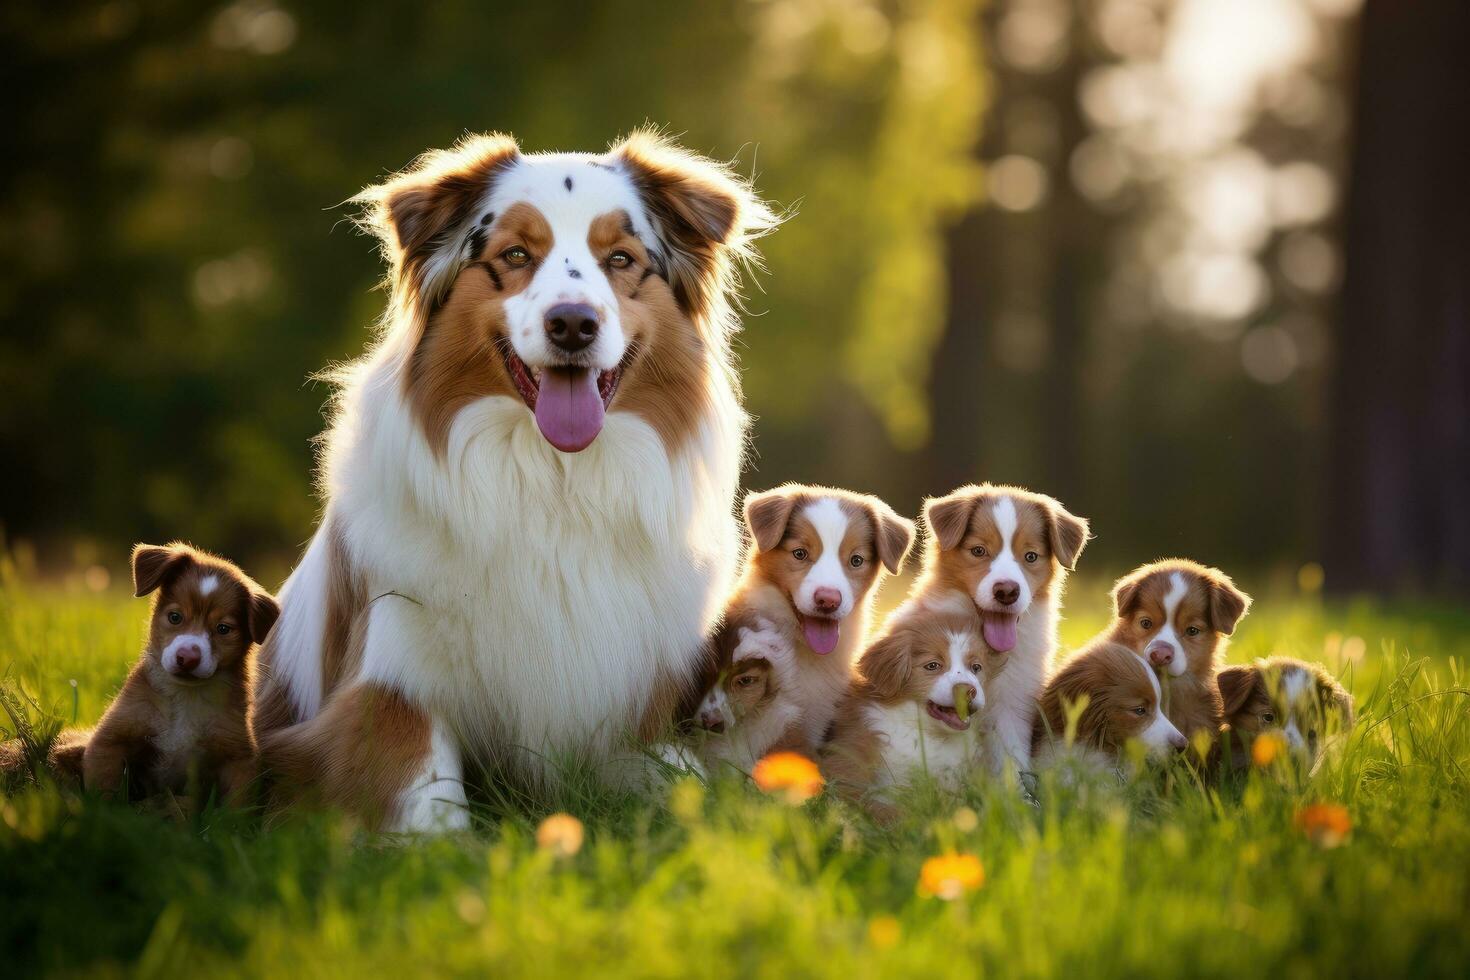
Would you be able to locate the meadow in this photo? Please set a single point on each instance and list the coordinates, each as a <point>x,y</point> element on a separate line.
<point>1158,876</point>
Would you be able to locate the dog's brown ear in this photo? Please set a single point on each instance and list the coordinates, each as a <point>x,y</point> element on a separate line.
<point>703,214</point>
<point>1236,684</point>
<point>895,535</point>
<point>1228,604</point>
<point>948,517</point>
<point>264,611</point>
<point>1334,697</point>
<point>886,664</point>
<point>1125,592</point>
<point>428,213</point>
<point>152,563</point>
<point>1068,534</point>
<point>767,514</point>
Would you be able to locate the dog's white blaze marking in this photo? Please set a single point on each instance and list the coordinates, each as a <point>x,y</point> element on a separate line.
<point>1004,566</point>
<point>208,584</point>
<point>1178,588</point>
<point>830,522</point>
<point>1161,730</point>
<point>959,672</point>
<point>540,181</point>
<point>435,798</point>
<point>170,656</point>
<point>1294,684</point>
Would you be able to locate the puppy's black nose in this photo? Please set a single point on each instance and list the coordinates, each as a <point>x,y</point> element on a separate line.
<point>571,326</point>
<point>1006,593</point>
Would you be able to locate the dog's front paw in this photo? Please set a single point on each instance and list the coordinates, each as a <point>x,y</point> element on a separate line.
<point>762,641</point>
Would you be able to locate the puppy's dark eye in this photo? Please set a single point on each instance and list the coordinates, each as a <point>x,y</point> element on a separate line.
<point>1140,711</point>
<point>932,666</point>
<point>1268,717</point>
<point>975,667</point>
<point>516,256</point>
<point>224,629</point>
<point>856,561</point>
<point>175,618</point>
<point>1146,623</point>
<point>1031,557</point>
<point>799,554</point>
<point>1193,631</point>
<point>978,551</point>
<point>620,259</point>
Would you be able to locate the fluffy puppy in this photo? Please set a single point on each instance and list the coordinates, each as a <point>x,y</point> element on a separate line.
<point>181,722</point>
<point>1004,552</point>
<point>1299,701</point>
<point>811,571</point>
<point>1121,700</point>
<point>1177,615</point>
<point>748,709</point>
<point>901,715</point>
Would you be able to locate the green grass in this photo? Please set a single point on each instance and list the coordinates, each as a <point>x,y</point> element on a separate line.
<point>1151,878</point>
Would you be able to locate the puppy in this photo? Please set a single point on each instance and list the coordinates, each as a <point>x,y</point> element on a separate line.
<point>902,714</point>
<point>1177,615</point>
<point>748,709</point>
<point>808,584</point>
<point>1004,552</point>
<point>1122,702</point>
<point>1301,702</point>
<point>182,719</point>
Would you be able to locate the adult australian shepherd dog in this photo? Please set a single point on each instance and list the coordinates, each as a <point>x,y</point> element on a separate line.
<point>529,479</point>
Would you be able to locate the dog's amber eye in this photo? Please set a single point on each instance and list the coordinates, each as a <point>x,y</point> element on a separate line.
<point>856,561</point>
<point>1031,557</point>
<point>1146,623</point>
<point>799,554</point>
<point>975,667</point>
<point>932,666</point>
<point>224,629</point>
<point>516,256</point>
<point>1193,631</point>
<point>978,551</point>
<point>175,618</point>
<point>620,259</point>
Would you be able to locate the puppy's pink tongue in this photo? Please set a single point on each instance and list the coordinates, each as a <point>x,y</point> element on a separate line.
<point>821,634</point>
<point>1000,631</point>
<point>569,408</point>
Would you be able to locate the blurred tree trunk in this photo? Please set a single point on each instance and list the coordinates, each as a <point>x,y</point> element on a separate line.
<point>1398,512</point>
<point>957,379</point>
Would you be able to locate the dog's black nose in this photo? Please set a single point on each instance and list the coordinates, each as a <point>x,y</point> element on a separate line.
<point>1007,592</point>
<point>571,326</point>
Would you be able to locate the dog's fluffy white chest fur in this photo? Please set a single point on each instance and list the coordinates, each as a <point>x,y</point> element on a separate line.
<point>912,743</point>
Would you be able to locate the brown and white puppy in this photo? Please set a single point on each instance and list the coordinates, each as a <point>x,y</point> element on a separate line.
<point>1177,615</point>
<point>1004,552</point>
<point>748,709</point>
<point>1299,701</point>
<point>1122,702</point>
<point>811,571</point>
<point>900,715</point>
<point>182,719</point>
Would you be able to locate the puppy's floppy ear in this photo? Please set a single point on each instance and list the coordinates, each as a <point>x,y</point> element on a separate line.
<point>1227,603</point>
<point>703,214</point>
<point>1067,532</point>
<point>1334,697</point>
<point>152,563</point>
<point>894,534</point>
<point>767,514</point>
<point>1236,684</point>
<point>887,663</point>
<point>426,216</point>
<point>264,611</point>
<point>1125,592</point>
<point>948,517</point>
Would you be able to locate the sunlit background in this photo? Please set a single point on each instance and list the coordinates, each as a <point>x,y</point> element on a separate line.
<point>1098,247</point>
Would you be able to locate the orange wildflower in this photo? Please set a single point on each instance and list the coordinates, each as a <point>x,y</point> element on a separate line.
<point>950,876</point>
<point>560,834</point>
<point>789,775</point>
<point>1327,824</point>
<point>1266,748</point>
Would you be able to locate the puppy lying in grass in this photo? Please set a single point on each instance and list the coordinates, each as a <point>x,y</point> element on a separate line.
<point>181,722</point>
<point>1299,702</point>
<point>748,710</point>
<point>1115,699</point>
<point>913,706</point>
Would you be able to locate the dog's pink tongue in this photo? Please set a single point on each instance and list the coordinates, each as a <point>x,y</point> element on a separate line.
<point>569,408</point>
<point>821,634</point>
<point>1000,631</point>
